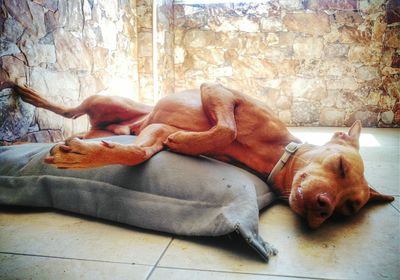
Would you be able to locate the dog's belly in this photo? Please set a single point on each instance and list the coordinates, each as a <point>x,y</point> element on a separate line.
<point>183,110</point>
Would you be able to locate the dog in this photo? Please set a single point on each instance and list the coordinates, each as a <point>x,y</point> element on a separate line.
<point>225,124</point>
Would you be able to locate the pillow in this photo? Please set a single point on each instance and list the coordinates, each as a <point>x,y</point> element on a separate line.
<point>195,196</point>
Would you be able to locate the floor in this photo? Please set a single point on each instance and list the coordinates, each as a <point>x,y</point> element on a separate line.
<point>42,244</point>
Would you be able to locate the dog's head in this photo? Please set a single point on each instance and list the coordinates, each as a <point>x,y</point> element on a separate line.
<point>330,179</point>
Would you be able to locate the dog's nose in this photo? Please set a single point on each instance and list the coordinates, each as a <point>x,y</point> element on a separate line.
<point>324,205</point>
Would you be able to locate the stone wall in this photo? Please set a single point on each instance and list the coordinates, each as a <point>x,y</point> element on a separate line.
<point>145,50</point>
<point>314,62</point>
<point>69,50</point>
<point>165,48</point>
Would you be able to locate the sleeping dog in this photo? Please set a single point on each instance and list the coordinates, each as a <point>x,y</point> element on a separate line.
<point>230,126</point>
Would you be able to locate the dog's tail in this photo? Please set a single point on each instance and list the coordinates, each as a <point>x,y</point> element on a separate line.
<point>32,97</point>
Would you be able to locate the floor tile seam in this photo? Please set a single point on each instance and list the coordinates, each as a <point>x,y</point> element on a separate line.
<point>73,259</point>
<point>159,259</point>
<point>398,210</point>
<point>245,273</point>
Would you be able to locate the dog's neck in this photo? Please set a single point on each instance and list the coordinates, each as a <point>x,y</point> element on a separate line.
<point>284,178</point>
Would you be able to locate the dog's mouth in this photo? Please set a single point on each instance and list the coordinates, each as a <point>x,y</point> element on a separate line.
<point>298,201</point>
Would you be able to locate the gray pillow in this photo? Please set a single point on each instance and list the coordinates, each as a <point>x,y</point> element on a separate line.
<point>195,196</point>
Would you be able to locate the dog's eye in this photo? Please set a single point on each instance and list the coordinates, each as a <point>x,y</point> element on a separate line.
<point>343,167</point>
<point>351,206</point>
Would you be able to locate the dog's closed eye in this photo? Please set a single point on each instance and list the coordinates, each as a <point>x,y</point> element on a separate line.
<point>351,207</point>
<point>342,169</point>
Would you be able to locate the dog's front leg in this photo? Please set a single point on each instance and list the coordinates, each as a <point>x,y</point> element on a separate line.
<point>77,154</point>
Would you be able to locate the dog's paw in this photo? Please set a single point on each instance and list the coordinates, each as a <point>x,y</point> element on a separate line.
<point>177,142</point>
<point>75,153</point>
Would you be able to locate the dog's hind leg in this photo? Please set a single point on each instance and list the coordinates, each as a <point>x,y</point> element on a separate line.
<point>77,154</point>
<point>32,97</point>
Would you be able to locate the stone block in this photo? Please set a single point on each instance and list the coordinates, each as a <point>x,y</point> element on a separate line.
<point>71,52</point>
<point>367,73</point>
<point>51,5</point>
<point>331,117</point>
<point>50,21</point>
<point>350,35</point>
<point>330,5</point>
<point>286,39</point>
<point>87,86</point>
<point>145,65</point>
<point>14,67</point>
<point>378,29</point>
<point>221,24</point>
<point>371,6</point>
<point>283,103</point>
<point>37,13</point>
<point>309,23</point>
<point>289,67</point>
<point>308,47</point>
<point>387,117</point>
<point>313,89</point>
<point>15,116</point>
<point>36,53</point>
<point>393,11</point>
<point>110,9</point>
<point>179,55</point>
<point>70,15</point>
<point>247,24</point>
<point>374,97</point>
<point>19,10</point>
<point>348,18</point>
<point>214,72</point>
<point>270,24</point>
<point>12,30</point>
<point>336,50</point>
<point>213,56</point>
<point>100,58</point>
<point>257,44</point>
<point>305,113</point>
<point>392,87</point>
<point>108,33</point>
<point>291,4</point>
<point>396,111</point>
<point>8,48</point>
<point>386,102</point>
<point>366,54</point>
<point>392,37</point>
<point>367,118</point>
<point>346,83</point>
<point>285,116</point>
<point>55,84</point>
<point>195,38</point>
<point>252,67</point>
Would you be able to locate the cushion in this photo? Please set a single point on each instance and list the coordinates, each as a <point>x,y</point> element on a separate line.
<point>195,196</point>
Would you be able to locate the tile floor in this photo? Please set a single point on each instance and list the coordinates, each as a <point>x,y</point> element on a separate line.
<point>41,244</point>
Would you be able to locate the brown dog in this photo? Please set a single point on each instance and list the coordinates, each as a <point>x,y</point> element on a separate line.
<point>225,124</point>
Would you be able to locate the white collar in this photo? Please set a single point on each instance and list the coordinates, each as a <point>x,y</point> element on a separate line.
<point>290,149</point>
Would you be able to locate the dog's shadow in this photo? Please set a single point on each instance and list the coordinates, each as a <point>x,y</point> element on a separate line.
<point>338,226</point>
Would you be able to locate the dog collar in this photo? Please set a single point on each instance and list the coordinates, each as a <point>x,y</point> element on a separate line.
<point>290,149</point>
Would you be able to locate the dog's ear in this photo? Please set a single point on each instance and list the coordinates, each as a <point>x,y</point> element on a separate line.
<point>376,196</point>
<point>351,138</point>
<point>354,133</point>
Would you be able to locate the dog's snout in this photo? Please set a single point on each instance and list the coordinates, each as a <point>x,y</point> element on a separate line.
<point>324,205</point>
